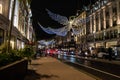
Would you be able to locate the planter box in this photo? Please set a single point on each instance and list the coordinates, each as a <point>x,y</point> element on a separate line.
<point>15,71</point>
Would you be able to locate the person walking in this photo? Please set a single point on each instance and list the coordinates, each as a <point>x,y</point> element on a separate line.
<point>110,53</point>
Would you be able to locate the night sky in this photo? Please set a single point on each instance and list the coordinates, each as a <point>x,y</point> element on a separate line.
<point>63,7</point>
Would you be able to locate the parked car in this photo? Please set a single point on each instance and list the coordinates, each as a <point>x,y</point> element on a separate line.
<point>102,55</point>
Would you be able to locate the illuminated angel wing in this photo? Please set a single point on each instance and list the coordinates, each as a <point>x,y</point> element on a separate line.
<point>60,31</point>
<point>60,19</point>
<point>47,30</point>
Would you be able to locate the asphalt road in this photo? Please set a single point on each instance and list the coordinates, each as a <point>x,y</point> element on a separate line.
<point>104,69</point>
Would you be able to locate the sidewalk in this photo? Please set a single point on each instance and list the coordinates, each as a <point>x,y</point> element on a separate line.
<point>48,68</point>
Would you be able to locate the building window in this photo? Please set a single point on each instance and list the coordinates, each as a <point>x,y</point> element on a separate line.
<point>92,23</point>
<point>101,20</point>
<point>0,8</point>
<point>114,16</point>
<point>107,19</point>
<point>97,22</point>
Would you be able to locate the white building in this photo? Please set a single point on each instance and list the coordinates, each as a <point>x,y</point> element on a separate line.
<point>104,24</point>
<point>22,30</point>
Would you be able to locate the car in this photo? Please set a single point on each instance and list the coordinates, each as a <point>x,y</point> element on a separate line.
<point>102,55</point>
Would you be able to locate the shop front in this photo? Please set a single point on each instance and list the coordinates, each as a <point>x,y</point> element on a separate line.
<point>101,44</point>
<point>111,43</point>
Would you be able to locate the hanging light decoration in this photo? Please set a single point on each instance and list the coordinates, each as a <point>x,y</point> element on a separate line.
<point>60,31</point>
<point>61,19</point>
<point>47,30</point>
<point>68,24</point>
<point>46,43</point>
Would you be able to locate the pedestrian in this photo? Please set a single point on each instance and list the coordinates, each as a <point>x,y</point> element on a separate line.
<point>110,53</point>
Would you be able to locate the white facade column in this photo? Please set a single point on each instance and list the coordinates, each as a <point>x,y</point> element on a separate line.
<point>10,9</point>
<point>99,22</point>
<point>118,11</point>
<point>16,14</point>
<point>28,29</point>
<point>104,17</point>
<point>118,16</point>
<point>111,16</point>
<point>91,24</point>
<point>94,22</point>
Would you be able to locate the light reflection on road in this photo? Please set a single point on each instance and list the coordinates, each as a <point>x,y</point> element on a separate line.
<point>72,59</point>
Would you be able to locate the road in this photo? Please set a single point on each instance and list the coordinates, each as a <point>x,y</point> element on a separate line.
<point>104,69</point>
